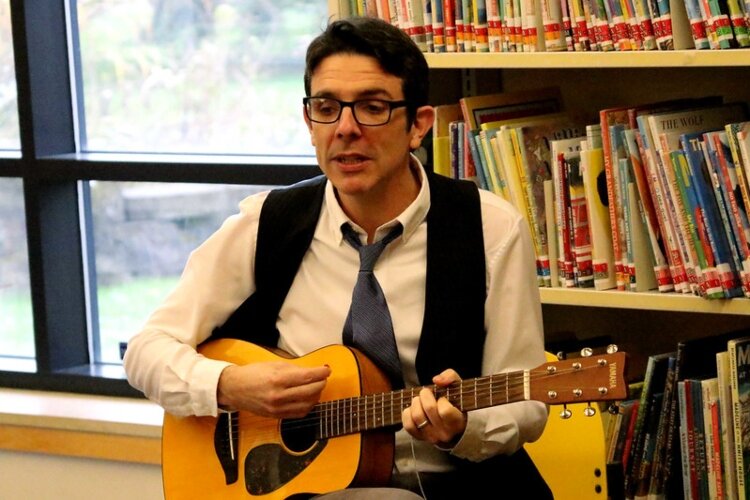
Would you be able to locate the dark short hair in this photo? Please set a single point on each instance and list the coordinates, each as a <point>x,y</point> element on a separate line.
<point>394,50</point>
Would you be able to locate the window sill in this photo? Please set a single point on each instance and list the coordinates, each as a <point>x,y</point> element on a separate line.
<point>101,427</point>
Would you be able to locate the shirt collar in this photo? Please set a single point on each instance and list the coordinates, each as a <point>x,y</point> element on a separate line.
<point>410,218</point>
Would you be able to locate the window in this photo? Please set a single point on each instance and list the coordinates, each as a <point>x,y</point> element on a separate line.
<point>143,234</point>
<point>9,137</point>
<point>142,125</point>
<point>206,77</point>
<point>16,339</point>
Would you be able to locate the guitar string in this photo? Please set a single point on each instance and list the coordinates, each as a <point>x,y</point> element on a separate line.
<point>367,406</point>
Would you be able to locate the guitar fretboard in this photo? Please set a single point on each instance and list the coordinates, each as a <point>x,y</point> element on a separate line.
<point>375,411</point>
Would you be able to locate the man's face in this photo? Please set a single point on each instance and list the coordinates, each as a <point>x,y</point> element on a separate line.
<point>363,160</point>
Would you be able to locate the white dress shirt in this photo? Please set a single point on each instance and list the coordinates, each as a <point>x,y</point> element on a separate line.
<point>161,360</point>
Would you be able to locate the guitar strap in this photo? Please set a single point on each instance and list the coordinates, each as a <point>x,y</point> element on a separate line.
<point>453,327</point>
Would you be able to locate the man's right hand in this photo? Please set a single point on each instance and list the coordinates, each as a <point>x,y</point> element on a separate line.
<point>274,389</point>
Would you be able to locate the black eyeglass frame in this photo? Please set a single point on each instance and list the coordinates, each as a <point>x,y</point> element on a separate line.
<point>350,104</point>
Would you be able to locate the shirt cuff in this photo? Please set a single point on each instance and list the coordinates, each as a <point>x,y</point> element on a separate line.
<point>205,400</point>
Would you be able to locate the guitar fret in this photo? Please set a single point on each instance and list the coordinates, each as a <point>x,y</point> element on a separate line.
<point>359,415</point>
<point>491,390</point>
<point>476,394</point>
<point>369,409</point>
<point>382,408</point>
<point>322,421</point>
<point>329,418</point>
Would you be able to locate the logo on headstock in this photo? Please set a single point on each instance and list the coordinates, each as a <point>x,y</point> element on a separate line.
<point>612,375</point>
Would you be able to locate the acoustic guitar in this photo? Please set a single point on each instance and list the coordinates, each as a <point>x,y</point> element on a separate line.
<point>348,438</point>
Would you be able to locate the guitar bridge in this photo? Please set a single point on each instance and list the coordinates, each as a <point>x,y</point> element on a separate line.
<point>225,445</point>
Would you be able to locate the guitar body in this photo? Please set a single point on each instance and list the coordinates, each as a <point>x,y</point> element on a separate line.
<point>239,455</point>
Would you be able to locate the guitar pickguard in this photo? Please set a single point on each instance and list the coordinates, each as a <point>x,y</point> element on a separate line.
<point>269,466</point>
<point>225,445</point>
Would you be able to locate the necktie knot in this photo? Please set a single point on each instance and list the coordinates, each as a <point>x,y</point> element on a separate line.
<point>369,254</point>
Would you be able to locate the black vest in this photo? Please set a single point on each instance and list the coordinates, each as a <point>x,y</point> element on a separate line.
<point>453,327</point>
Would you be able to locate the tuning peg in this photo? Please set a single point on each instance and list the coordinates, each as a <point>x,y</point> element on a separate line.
<point>613,409</point>
<point>560,355</point>
<point>586,352</point>
<point>589,411</point>
<point>565,413</point>
<point>612,348</point>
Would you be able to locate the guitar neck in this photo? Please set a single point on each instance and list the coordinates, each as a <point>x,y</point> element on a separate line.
<point>376,411</point>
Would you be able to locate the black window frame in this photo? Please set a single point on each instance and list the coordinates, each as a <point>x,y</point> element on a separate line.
<point>50,111</point>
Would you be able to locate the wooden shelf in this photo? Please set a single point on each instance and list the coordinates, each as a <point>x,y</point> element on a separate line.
<point>635,59</point>
<point>671,302</point>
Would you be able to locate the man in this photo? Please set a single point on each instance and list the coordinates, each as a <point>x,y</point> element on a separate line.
<point>458,278</point>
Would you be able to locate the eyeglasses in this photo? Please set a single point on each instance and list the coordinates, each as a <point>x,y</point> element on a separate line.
<point>367,112</point>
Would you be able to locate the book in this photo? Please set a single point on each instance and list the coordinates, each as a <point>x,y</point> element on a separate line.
<point>533,157</point>
<point>607,118</point>
<point>695,228</point>
<point>441,149</point>
<point>602,258</point>
<point>646,461</point>
<point>560,151</point>
<point>729,470</point>
<point>660,197</point>
<point>580,234</point>
<point>699,439</point>
<point>658,473</point>
<point>708,216</point>
<point>625,410</point>
<point>661,274</point>
<point>666,129</point>
<point>726,202</point>
<point>739,370</point>
<point>689,461</point>
<point>509,105</point>
<point>712,436</point>
<point>733,179</point>
<point>654,380</point>
<point>695,358</point>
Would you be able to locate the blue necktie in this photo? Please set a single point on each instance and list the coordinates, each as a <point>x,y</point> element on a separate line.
<point>368,326</point>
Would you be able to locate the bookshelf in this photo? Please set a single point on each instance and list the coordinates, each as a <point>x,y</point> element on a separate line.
<point>545,60</point>
<point>641,324</point>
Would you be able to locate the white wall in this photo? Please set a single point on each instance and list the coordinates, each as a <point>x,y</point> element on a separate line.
<point>32,476</point>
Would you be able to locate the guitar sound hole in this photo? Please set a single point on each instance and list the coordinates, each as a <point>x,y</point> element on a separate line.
<point>298,434</point>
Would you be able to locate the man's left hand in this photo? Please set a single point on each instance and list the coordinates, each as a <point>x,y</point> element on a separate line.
<point>436,421</point>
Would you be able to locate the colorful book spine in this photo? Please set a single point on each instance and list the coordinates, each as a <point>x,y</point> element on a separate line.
<point>739,210</point>
<point>567,25</point>
<point>661,202</point>
<point>727,429</point>
<point>581,240</point>
<point>697,25</point>
<point>552,23</point>
<point>648,212</point>
<point>494,26</point>
<point>703,187</point>
<point>428,30</point>
<point>438,26</point>
<point>739,371</point>
<point>469,32</point>
<point>724,198</point>
<point>710,282</point>
<point>602,260</point>
<point>481,35</point>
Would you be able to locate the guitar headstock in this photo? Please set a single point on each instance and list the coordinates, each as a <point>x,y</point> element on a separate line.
<point>598,377</point>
